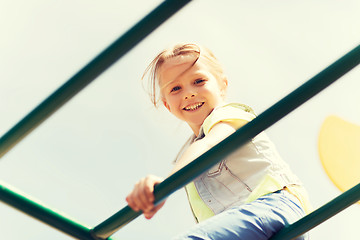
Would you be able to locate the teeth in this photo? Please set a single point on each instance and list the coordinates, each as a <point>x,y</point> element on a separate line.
<point>193,107</point>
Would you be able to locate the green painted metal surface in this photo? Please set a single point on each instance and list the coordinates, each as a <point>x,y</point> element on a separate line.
<point>239,138</point>
<point>320,215</point>
<point>87,74</point>
<point>44,213</point>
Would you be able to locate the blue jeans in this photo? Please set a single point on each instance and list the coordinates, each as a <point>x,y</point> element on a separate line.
<point>258,220</point>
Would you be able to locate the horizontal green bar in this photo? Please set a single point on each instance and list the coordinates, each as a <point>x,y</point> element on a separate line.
<point>86,75</point>
<point>236,140</point>
<point>44,214</point>
<point>320,215</point>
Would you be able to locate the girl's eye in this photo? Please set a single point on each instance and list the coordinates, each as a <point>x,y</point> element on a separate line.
<point>174,89</point>
<point>198,81</point>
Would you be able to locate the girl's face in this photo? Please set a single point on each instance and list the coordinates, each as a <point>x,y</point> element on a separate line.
<point>190,92</point>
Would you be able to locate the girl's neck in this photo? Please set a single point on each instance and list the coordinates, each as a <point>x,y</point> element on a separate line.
<point>195,129</point>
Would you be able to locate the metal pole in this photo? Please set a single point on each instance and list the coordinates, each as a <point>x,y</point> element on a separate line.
<point>320,215</point>
<point>44,214</point>
<point>236,140</point>
<point>92,70</point>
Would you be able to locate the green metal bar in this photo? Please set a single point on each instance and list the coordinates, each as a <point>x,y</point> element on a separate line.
<point>44,214</point>
<point>239,138</point>
<point>92,70</point>
<point>320,215</point>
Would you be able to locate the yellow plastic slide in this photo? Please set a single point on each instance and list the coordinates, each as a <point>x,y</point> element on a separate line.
<point>339,150</point>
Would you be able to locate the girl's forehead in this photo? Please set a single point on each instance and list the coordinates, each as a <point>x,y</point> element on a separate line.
<point>174,68</point>
<point>176,62</point>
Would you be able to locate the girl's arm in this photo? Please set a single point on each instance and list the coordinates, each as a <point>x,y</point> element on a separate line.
<point>142,198</point>
<point>218,133</point>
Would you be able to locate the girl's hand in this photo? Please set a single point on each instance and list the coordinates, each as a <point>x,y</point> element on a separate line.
<point>142,196</point>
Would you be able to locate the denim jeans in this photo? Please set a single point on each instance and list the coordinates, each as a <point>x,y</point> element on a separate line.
<point>257,220</point>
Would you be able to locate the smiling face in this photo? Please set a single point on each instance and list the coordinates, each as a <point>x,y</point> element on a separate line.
<point>190,91</point>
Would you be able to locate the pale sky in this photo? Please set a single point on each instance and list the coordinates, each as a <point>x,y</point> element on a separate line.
<point>85,159</point>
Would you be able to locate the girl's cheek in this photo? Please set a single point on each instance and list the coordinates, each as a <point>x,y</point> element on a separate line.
<point>175,98</point>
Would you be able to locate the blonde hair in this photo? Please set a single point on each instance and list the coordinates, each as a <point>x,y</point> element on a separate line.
<point>181,49</point>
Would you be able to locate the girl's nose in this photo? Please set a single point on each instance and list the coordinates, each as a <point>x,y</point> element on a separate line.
<point>189,96</point>
<point>189,92</point>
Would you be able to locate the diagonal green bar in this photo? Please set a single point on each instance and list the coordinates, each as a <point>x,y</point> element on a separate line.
<point>92,70</point>
<point>320,215</point>
<point>44,214</point>
<point>236,140</point>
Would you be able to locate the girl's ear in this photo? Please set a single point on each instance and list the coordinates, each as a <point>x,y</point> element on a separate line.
<point>224,86</point>
<point>225,83</point>
<point>166,104</point>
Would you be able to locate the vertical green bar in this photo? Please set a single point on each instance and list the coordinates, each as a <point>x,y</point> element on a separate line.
<point>92,70</point>
<point>44,214</point>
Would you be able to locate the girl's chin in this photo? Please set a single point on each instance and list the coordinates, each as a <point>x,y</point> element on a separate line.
<point>195,121</point>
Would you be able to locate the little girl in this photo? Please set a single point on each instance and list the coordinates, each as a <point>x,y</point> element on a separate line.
<point>252,193</point>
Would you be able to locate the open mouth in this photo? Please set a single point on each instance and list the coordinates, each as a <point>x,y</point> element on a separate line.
<point>193,107</point>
